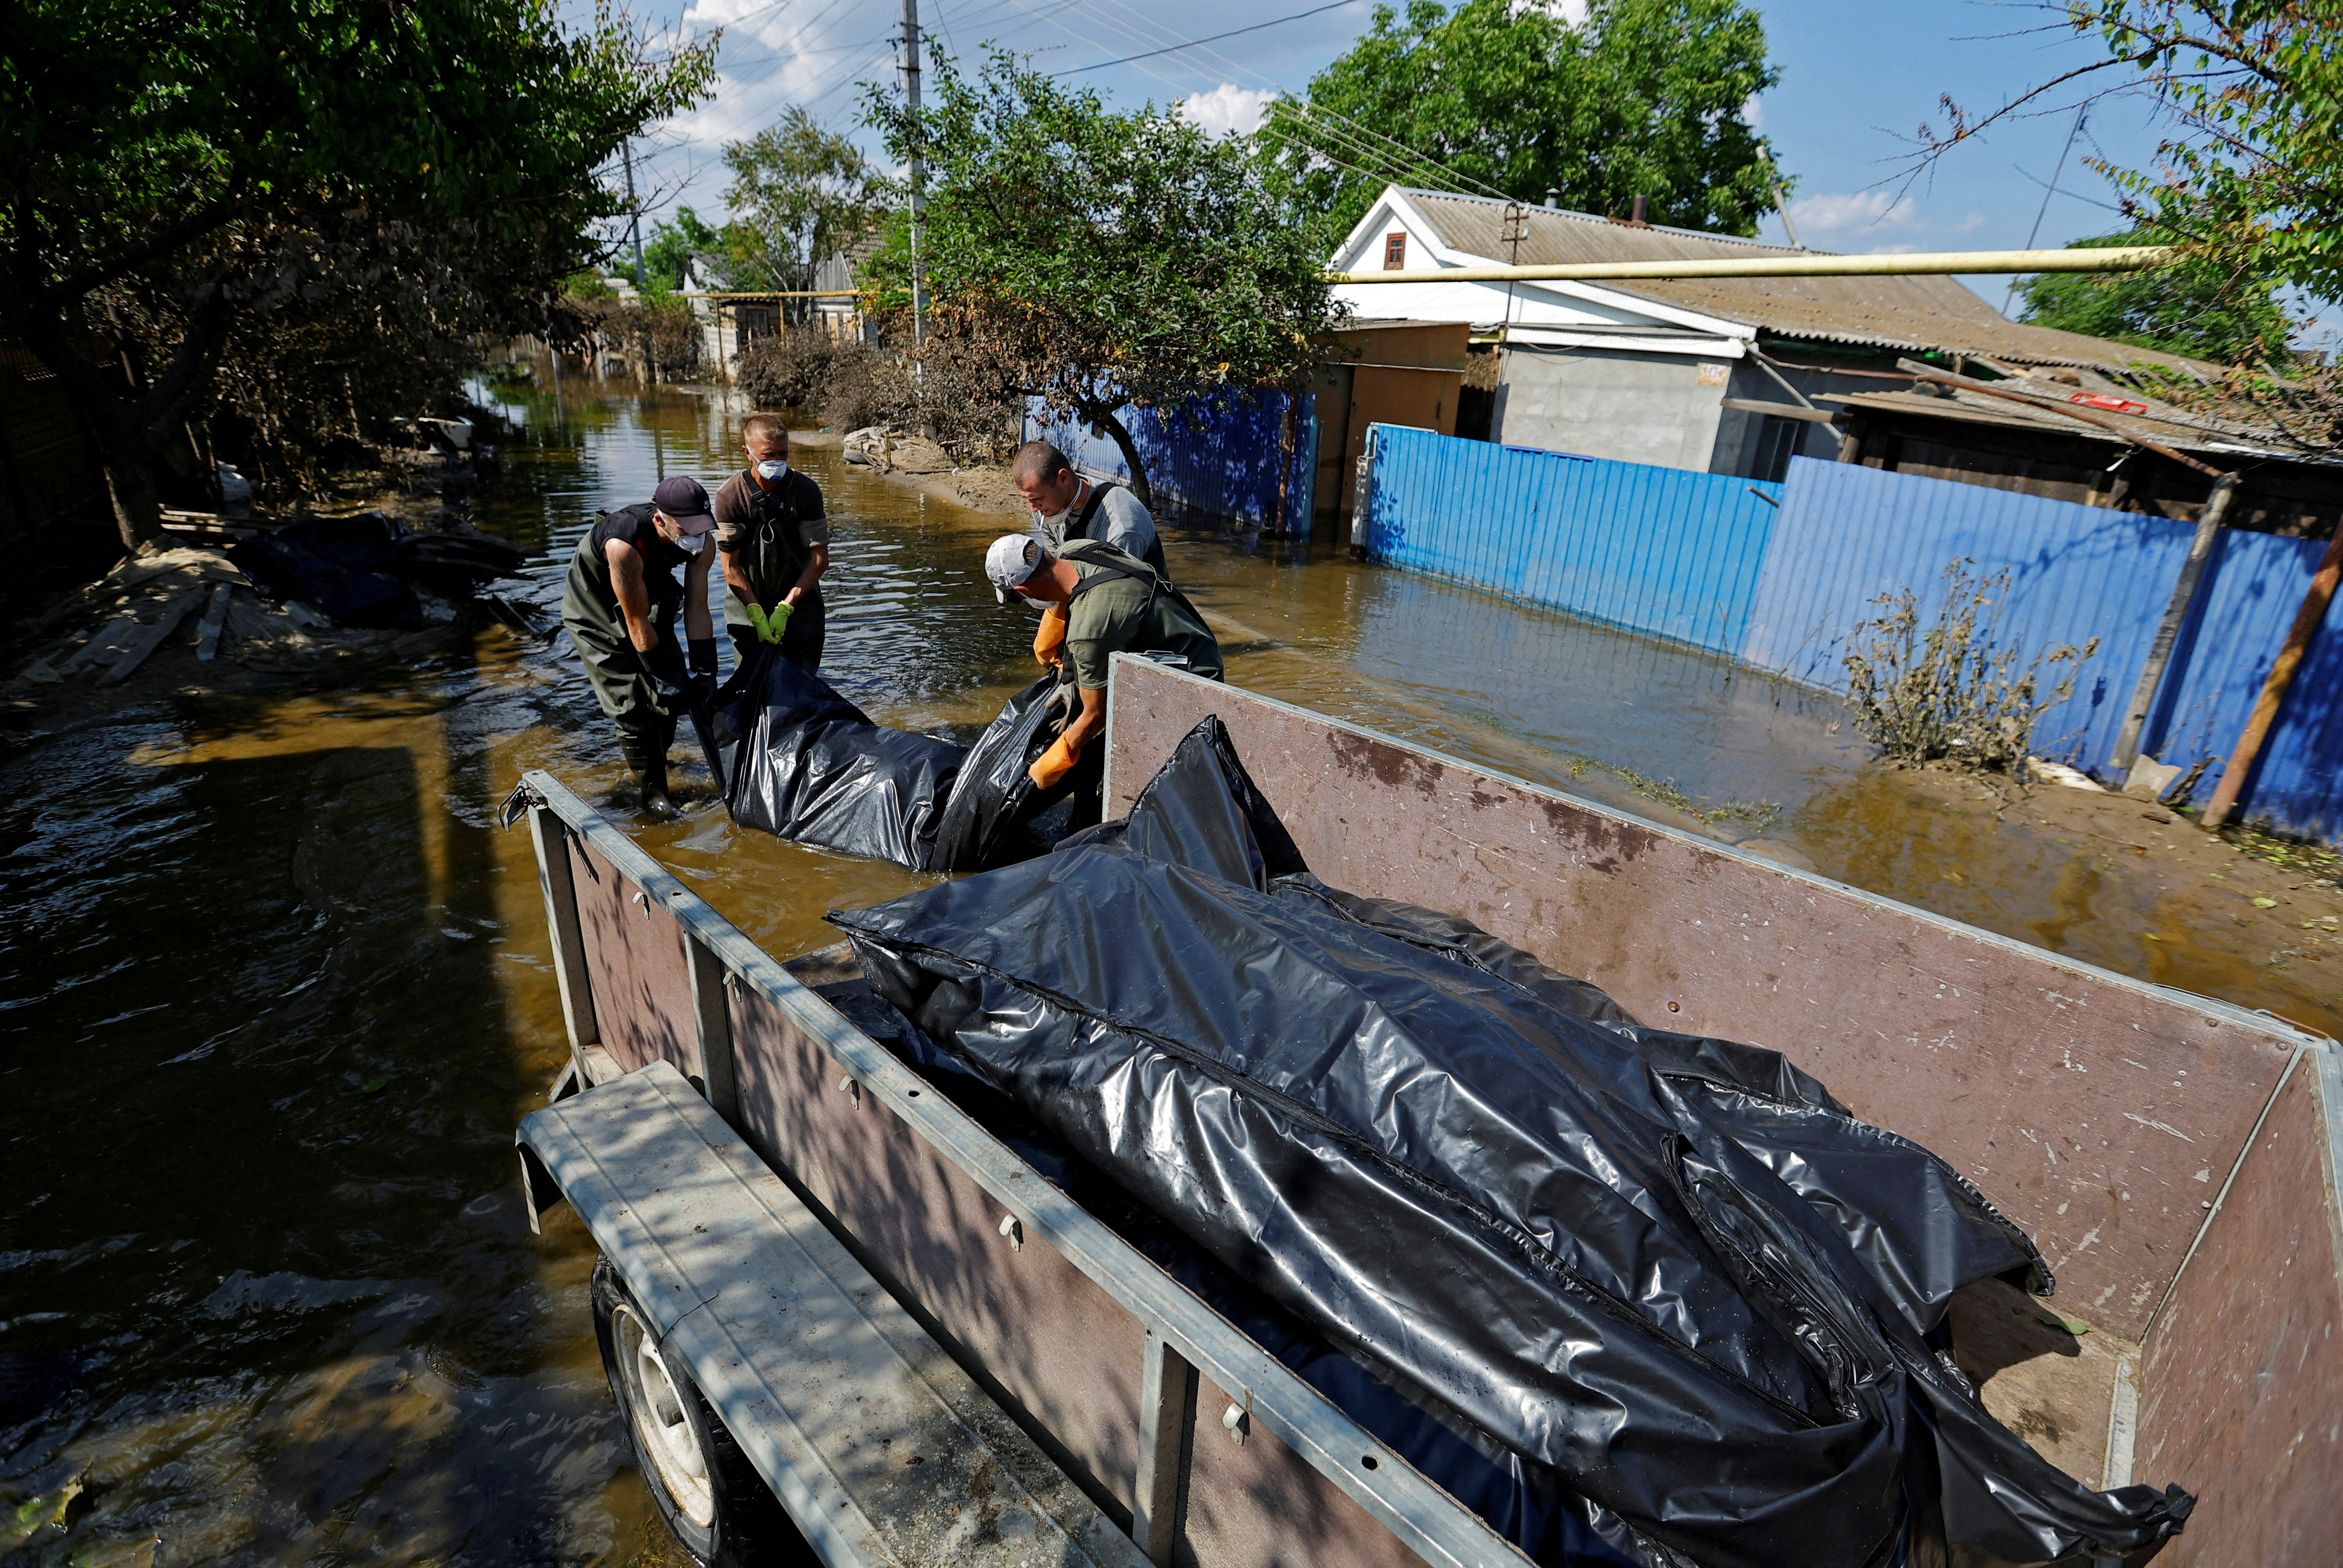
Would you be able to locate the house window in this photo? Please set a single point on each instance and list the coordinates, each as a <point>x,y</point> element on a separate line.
<point>1395,252</point>
<point>1777,442</point>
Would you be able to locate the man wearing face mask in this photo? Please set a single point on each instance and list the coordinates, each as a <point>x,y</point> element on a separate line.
<point>774,541</point>
<point>619,609</point>
<point>1067,507</point>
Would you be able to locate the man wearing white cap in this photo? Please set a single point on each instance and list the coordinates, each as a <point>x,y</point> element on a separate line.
<point>1096,602</point>
<point>620,608</point>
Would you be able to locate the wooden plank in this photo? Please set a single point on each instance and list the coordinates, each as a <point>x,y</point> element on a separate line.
<point>1378,1484</point>
<point>873,1440</point>
<point>1781,410</point>
<point>1167,1415</point>
<point>208,634</point>
<point>153,637</point>
<point>2084,1104</point>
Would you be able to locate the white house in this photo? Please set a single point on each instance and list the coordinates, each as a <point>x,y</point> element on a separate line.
<point>1722,374</point>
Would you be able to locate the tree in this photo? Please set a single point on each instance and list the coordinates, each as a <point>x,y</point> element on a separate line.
<point>669,255</point>
<point>2250,174</point>
<point>230,160</point>
<point>2187,308</point>
<point>1643,98</point>
<point>800,195</point>
<point>1105,262</point>
<point>2249,177</point>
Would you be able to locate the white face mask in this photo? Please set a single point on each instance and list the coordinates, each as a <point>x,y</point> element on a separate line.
<point>772,470</point>
<point>689,543</point>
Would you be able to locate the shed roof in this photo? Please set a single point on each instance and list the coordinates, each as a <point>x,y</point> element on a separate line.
<point>1914,314</point>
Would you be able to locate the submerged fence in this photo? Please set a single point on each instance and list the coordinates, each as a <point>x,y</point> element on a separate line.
<point>1779,577</point>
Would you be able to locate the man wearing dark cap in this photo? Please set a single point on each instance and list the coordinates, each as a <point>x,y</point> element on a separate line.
<point>619,609</point>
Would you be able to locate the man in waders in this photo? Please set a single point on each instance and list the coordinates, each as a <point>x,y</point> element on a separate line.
<point>774,541</point>
<point>1096,602</point>
<point>621,608</point>
<point>1067,507</point>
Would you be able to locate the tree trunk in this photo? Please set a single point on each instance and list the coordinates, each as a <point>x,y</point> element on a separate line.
<point>1104,417</point>
<point>130,483</point>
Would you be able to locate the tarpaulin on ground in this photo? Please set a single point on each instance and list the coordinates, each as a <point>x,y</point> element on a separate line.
<point>811,767</point>
<point>363,569</point>
<point>1669,1276</point>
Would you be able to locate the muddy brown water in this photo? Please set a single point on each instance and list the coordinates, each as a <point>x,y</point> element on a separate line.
<point>277,992</point>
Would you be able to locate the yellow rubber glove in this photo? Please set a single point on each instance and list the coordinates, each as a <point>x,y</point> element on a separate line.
<point>1053,764</point>
<point>1050,642</point>
<point>770,623</point>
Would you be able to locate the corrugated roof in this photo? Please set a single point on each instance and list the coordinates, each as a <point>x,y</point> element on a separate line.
<point>2161,423</point>
<point>1911,313</point>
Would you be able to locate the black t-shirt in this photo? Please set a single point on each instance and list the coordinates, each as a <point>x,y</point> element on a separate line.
<point>634,525</point>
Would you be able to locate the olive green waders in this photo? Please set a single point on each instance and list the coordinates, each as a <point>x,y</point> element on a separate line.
<point>622,677</point>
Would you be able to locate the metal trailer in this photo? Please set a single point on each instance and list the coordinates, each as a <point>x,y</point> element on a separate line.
<point>927,1352</point>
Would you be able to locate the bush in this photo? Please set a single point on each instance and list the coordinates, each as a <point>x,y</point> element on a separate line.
<point>1950,691</point>
<point>850,384</point>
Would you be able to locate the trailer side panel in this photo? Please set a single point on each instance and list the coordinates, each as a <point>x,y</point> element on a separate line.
<point>1041,1331</point>
<point>2082,1103</point>
<point>2242,1378</point>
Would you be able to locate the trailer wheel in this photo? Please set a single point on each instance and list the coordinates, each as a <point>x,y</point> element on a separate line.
<point>709,1495</point>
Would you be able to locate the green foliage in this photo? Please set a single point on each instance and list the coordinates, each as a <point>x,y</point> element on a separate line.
<point>1102,260</point>
<point>1645,97</point>
<point>669,250</point>
<point>225,163</point>
<point>800,195</point>
<point>2252,176</point>
<point>2190,307</point>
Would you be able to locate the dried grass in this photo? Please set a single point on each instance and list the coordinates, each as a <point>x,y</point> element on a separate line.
<point>1951,691</point>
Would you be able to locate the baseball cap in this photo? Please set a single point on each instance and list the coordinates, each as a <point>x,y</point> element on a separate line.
<point>685,499</point>
<point>1008,564</point>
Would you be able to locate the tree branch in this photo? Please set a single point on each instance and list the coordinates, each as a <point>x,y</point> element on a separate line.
<point>195,225</point>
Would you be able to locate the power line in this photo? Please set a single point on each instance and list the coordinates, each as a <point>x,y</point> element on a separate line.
<point>1176,48</point>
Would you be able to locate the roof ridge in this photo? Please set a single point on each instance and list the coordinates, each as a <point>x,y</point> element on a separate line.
<point>1537,211</point>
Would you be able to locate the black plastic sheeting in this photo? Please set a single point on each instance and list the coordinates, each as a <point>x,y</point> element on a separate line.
<point>363,569</point>
<point>1668,1279</point>
<point>809,766</point>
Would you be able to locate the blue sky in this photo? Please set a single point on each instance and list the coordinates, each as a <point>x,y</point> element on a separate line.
<point>1858,76</point>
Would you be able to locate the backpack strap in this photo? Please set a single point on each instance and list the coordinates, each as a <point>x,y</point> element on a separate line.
<point>1082,525</point>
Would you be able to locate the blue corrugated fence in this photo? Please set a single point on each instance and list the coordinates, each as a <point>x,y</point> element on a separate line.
<point>1227,469</point>
<point>1780,576</point>
<point>1656,550</point>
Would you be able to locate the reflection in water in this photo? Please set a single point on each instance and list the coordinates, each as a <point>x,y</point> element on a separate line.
<point>278,992</point>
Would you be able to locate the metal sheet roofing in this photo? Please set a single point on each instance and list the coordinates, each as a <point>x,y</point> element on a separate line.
<point>1910,314</point>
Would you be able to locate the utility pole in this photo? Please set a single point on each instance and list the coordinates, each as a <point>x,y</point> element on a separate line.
<point>919,169</point>
<point>635,216</point>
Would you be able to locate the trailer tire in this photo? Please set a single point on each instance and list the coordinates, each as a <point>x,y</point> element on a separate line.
<point>707,1493</point>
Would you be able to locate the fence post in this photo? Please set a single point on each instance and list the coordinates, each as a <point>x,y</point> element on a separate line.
<point>2184,593</point>
<point>2290,657</point>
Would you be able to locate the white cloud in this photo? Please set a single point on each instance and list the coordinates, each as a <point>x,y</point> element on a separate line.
<point>1228,109</point>
<point>1570,13</point>
<point>1859,211</point>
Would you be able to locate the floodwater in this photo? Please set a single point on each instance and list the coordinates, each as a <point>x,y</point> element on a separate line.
<point>278,993</point>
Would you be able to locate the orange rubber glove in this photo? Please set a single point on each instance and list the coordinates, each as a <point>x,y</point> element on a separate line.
<point>1049,643</point>
<point>1053,764</point>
